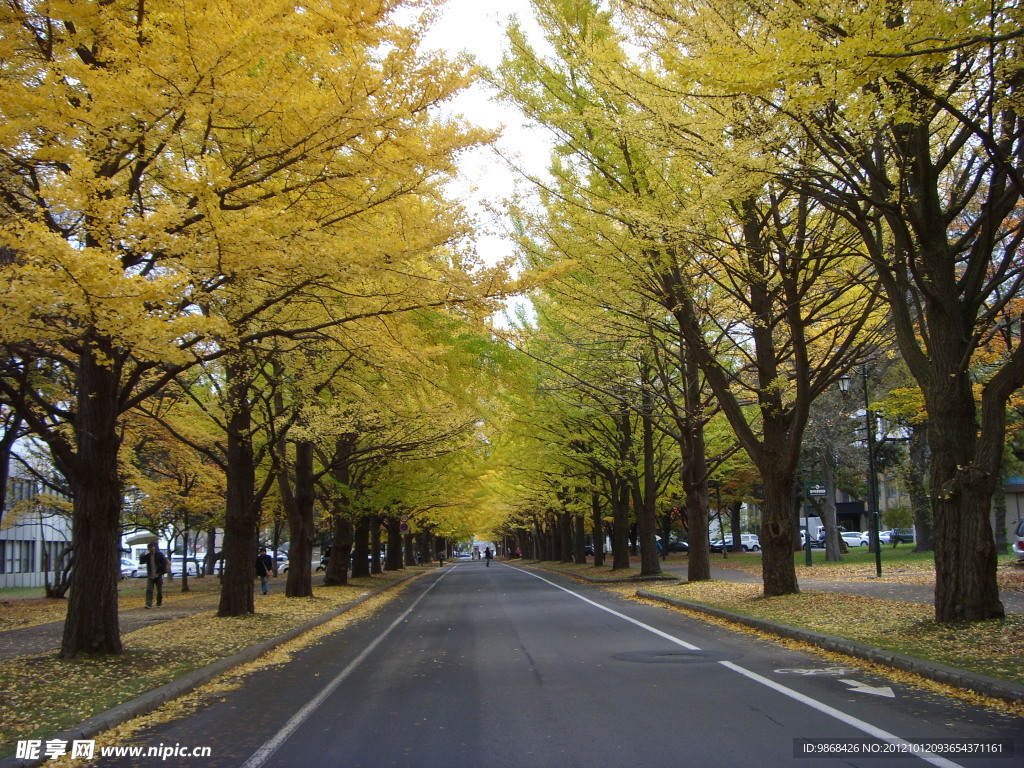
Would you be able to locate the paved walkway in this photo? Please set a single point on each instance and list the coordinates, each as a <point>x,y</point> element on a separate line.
<point>1013,602</point>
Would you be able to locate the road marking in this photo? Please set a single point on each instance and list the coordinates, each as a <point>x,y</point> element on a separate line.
<point>859,687</point>
<point>825,709</point>
<point>820,672</point>
<point>271,745</point>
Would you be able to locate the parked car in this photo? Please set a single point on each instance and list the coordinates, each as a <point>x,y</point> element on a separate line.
<point>883,536</point>
<point>178,566</point>
<point>854,539</point>
<point>316,565</point>
<point>129,568</point>
<point>678,546</point>
<point>902,536</point>
<point>748,541</point>
<point>1018,543</point>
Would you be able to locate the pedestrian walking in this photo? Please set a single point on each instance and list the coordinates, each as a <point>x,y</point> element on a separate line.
<point>264,567</point>
<point>156,567</point>
<point>488,555</point>
<point>440,558</point>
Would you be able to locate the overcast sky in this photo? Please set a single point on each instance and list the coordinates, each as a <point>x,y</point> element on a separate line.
<point>478,27</point>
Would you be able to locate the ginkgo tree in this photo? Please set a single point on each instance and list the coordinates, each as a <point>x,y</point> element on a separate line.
<point>762,286</point>
<point>913,111</point>
<point>161,159</point>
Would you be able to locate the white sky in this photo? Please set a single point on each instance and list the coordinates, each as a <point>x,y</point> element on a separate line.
<point>478,27</point>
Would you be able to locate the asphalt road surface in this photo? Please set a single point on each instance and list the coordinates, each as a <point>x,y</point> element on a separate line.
<point>501,666</point>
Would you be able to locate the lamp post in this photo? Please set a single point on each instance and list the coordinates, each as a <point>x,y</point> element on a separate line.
<point>844,386</point>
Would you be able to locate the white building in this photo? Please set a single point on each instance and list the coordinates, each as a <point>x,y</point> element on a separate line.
<point>33,541</point>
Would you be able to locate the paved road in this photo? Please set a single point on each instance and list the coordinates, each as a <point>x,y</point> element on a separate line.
<point>499,666</point>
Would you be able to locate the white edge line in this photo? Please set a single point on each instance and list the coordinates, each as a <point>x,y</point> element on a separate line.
<point>838,714</point>
<point>271,745</point>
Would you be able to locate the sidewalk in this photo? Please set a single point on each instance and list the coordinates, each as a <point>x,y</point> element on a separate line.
<point>40,638</point>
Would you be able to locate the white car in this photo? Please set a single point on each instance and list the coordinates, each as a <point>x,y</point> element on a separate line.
<point>748,541</point>
<point>178,565</point>
<point>1018,541</point>
<point>883,536</point>
<point>129,568</point>
<point>854,538</point>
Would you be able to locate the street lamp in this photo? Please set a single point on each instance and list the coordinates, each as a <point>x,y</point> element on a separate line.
<point>844,386</point>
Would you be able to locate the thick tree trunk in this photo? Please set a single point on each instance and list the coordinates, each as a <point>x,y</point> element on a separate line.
<point>693,469</point>
<point>965,555</point>
<point>210,561</point>
<point>12,430</point>
<point>361,548</point>
<point>300,524</point>
<point>735,525</point>
<point>620,526</point>
<point>184,560</point>
<point>579,527</point>
<point>598,522</point>
<point>917,486</point>
<point>564,532</point>
<point>375,564</point>
<point>777,533</point>
<point>647,518</point>
<point>241,517</point>
<point>408,549</point>
<point>828,514</point>
<point>393,526</point>
<point>91,625</point>
<point>336,573</point>
<point>423,541</point>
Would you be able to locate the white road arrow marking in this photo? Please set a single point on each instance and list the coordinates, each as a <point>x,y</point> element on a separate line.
<point>859,687</point>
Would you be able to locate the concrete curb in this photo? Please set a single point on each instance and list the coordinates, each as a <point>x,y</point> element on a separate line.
<point>149,701</point>
<point>940,673</point>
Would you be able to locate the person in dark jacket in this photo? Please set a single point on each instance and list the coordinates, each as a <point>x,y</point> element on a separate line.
<point>264,567</point>
<point>156,567</point>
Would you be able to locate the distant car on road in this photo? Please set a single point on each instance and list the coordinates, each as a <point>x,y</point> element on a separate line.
<point>748,541</point>
<point>129,568</point>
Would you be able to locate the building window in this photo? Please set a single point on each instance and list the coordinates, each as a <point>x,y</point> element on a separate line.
<point>17,556</point>
<point>51,552</point>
